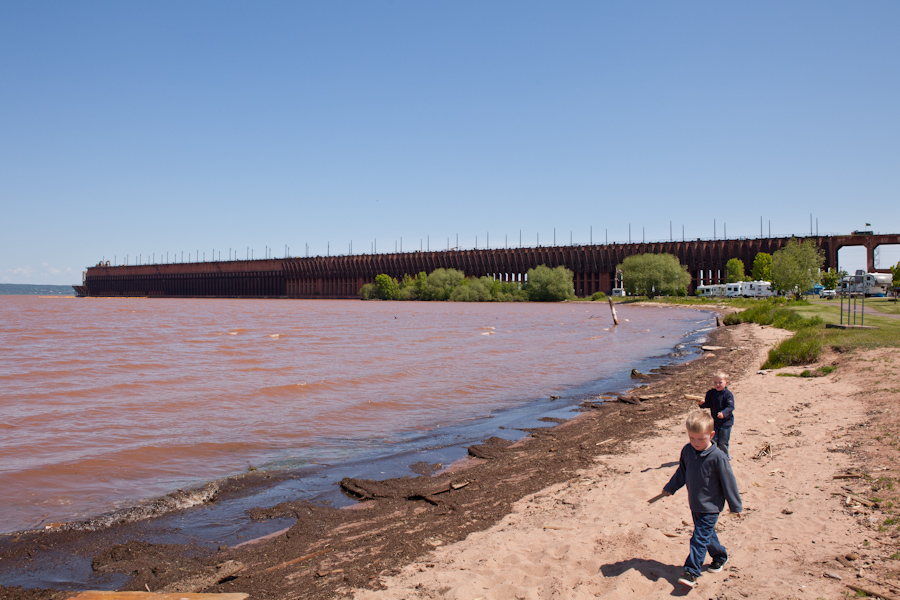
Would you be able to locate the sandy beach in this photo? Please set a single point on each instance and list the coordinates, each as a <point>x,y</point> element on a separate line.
<point>564,512</point>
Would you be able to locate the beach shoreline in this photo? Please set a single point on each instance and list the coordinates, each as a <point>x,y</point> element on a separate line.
<point>488,530</point>
<point>123,429</point>
<point>815,461</point>
<point>94,543</point>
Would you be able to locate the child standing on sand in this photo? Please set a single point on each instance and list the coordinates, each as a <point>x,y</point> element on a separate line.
<point>706,472</point>
<point>720,402</point>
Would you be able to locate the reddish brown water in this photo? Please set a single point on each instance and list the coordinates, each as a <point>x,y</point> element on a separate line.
<point>104,402</point>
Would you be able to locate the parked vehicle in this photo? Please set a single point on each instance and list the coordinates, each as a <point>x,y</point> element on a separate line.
<point>715,290</point>
<point>757,289</point>
<point>738,289</point>
<point>870,284</point>
<point>827,294</point>
<point>734,290</point>
<point>617,292</point>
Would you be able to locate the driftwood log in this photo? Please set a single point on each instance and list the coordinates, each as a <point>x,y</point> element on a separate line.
<point>870,592</point>
<point>204,580</point>
<point>408,488</point>
<point>493,447</point>
<point>628,399</point>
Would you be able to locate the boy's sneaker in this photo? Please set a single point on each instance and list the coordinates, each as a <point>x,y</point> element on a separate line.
<point>688,579</point>
<point>717,564</point>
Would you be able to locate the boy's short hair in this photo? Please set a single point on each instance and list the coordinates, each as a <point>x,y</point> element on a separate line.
<point>721,375</point>
<point>700,422</point>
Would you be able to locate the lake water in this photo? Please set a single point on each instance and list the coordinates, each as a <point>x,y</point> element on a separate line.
<point>107,402</point>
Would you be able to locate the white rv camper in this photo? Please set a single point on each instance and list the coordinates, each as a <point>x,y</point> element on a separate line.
<point>879,284</point>
<point>870,284</point>
<point>734,290</point>
<point>757,289</point>
<point>714,290</point>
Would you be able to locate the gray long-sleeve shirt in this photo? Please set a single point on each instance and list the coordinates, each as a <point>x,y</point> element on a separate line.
<point>709,479</point>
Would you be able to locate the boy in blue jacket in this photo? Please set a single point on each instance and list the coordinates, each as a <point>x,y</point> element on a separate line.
<point>720,402</point>
<point>706,472</point>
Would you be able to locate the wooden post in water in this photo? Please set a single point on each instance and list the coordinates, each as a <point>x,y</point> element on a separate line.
<point>612,307</point>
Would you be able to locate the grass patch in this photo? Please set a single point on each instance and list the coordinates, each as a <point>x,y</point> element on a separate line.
<point>820,372</point>
<point>884,305</point>
<point>778,313</point>
<point>698,301</point>
<point>808,318</point>
<point>802,348</point>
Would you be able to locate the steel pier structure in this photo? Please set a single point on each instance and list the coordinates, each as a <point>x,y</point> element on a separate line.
<point>342,276</point>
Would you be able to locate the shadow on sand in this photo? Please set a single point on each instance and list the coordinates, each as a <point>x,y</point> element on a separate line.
<point>651,569</point>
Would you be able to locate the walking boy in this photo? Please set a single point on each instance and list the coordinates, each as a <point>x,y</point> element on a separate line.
<point>706,472</point>
<point>720,402</point>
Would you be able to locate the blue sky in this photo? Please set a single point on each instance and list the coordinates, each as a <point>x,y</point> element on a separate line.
<point>146,128</point>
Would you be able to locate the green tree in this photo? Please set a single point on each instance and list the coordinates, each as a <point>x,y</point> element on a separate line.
<point>654,274</point>
<point>544,284</point>
<point>411,287</point>
<point>368,291</point>
<point>896,271</point>
<point>439,284</point>
<point>831,277</point>
<point>797,266</point>
<point>762,267</point>
<point>386,287</point>
<point>507,291</point>
<point>473,290</point>
<point>734,270</point>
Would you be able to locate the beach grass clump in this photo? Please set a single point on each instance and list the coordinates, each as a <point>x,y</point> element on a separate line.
<point>777,313</point>
<point>788,319</point>
<point>885,335</point>
<point>804,347</point>
<point>820,372</point>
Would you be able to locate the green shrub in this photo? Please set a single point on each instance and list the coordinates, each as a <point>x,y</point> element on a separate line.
<point>386,287</point>
<point>450,284</point>
<point>473,290</point>
<point>544,284</point>
<point>803,347</point>
<point>734,318</point>
<point>439,284</point>
<point>507,291</point>
<point>367,292</point>
<point>654,274</point>
<point>596,296</point>
<point>773,312</point>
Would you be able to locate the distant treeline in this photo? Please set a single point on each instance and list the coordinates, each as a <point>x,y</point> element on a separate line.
<point>542,284</point>
<point>23,289</point>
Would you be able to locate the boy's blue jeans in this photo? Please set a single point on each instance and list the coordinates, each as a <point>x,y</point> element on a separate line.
<point>704,540</point>
<point>722,438</point>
